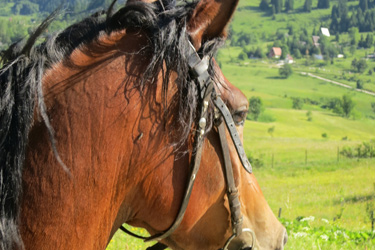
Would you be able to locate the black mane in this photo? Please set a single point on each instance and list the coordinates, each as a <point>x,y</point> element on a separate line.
<point>24,65</point>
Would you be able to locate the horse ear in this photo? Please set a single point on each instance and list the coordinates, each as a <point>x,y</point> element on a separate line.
<point>210,19</point>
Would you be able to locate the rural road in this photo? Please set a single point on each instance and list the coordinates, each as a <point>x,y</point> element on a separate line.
<point>338,83</point>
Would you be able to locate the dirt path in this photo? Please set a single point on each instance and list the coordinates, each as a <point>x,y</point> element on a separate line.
<point>338,83</point>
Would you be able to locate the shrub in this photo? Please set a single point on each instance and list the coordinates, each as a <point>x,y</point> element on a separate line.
<point>359,84</point>
<point>297,102</point>
<point>364,150</point>
<point>265,117</point>
<point>255,162</point>
<point>325,135</point>
<point>255,108</point>
<point>285,71</point>
<point>309,116</point>
<point>242,56</point>
<point>347,105</point>
<point>271,130</point>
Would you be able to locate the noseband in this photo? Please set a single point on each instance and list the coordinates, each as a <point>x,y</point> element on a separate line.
<point>199,71</point>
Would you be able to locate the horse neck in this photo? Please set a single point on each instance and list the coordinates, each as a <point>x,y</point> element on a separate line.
<point>108,135</point>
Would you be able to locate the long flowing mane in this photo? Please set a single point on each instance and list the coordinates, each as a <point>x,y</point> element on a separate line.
<point>24,64</point>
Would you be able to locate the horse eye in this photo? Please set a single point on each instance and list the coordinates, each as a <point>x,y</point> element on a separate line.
<point>239,117</point>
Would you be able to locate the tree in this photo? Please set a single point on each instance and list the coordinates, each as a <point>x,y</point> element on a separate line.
<point>255,107</point>
<point>242,56</point>
<point>307,5</point>
<point>323,4</point>
<point>359,65</point>
<point>369,41</point>
<point>359,84</point>
<point>297,103</point>
<point>373,106</point>
<point>264,5</point>
<point>285,71</point>
<point>309,116</point>
<point>289,5</point>
<point>363,4</point>
<point>277,4</point>
<point>353,35</point>
<point>347,105</point>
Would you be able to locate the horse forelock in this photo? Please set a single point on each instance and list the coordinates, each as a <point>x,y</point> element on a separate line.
<point>21,85</point>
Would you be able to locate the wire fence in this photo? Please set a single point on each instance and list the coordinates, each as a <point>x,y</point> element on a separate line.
<point>305,156</point>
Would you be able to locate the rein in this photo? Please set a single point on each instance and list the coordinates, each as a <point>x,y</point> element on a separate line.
<point>199,70</point>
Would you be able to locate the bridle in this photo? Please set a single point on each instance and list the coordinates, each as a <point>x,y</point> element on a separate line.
<point>199,70</point>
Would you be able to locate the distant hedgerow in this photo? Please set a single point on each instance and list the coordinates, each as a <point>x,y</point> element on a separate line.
<point>364,150</point>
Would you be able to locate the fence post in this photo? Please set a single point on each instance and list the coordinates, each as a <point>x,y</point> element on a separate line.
<point>305,156</point>
<point>372,221</point>
<point>279,212</point>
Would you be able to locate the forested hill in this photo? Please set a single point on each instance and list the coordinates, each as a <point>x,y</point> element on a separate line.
<point>19,17</point>
<point>28,7</point>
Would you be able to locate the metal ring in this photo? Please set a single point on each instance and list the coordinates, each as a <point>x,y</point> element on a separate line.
<point>252,235</point>
<point>246,230</point>
<point>228,241</point>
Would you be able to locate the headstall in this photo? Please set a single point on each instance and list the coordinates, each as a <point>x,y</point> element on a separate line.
<point>199,70</point>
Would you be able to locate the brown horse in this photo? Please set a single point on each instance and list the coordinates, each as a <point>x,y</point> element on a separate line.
<point>98,126</point>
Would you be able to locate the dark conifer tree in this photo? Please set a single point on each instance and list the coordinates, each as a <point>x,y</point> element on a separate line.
<point>307,5</point>
<point>323,4</point>
<point>363,4</point>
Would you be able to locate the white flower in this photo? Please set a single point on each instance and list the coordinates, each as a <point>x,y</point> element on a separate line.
<point>325,220</point>
<point>300,235</point>
<point>310,218</point>
<point>324,237</point>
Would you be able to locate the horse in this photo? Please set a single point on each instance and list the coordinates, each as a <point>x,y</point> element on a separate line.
<point>107,122</point>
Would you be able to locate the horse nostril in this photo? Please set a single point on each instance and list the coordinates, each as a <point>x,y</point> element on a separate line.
<point>285,238</point>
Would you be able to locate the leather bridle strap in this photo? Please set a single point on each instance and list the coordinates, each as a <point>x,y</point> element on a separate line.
<point>226,114</point>
<point>232,191</point>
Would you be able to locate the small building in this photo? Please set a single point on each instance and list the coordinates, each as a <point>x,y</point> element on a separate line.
<point>275,52</point>
<point>318,57</point>
<point>289,59</point>
<point>315,40</point>
<point>340,56</point>
<point>325,32</point>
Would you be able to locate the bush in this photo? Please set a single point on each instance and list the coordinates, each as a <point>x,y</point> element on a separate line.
<point>285,71</point>
<point>255,108</point>
<point>255,162</point>
<point>309,116</point>
<point>265,117</point>
<point>359,65</point>
<point>364,150</point>
<point>297,102</point>
<point>271,130</point>
<point>359,84</point>
<point>242,56</point>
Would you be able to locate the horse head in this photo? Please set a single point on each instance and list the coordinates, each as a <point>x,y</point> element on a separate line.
<point>118,127</point>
